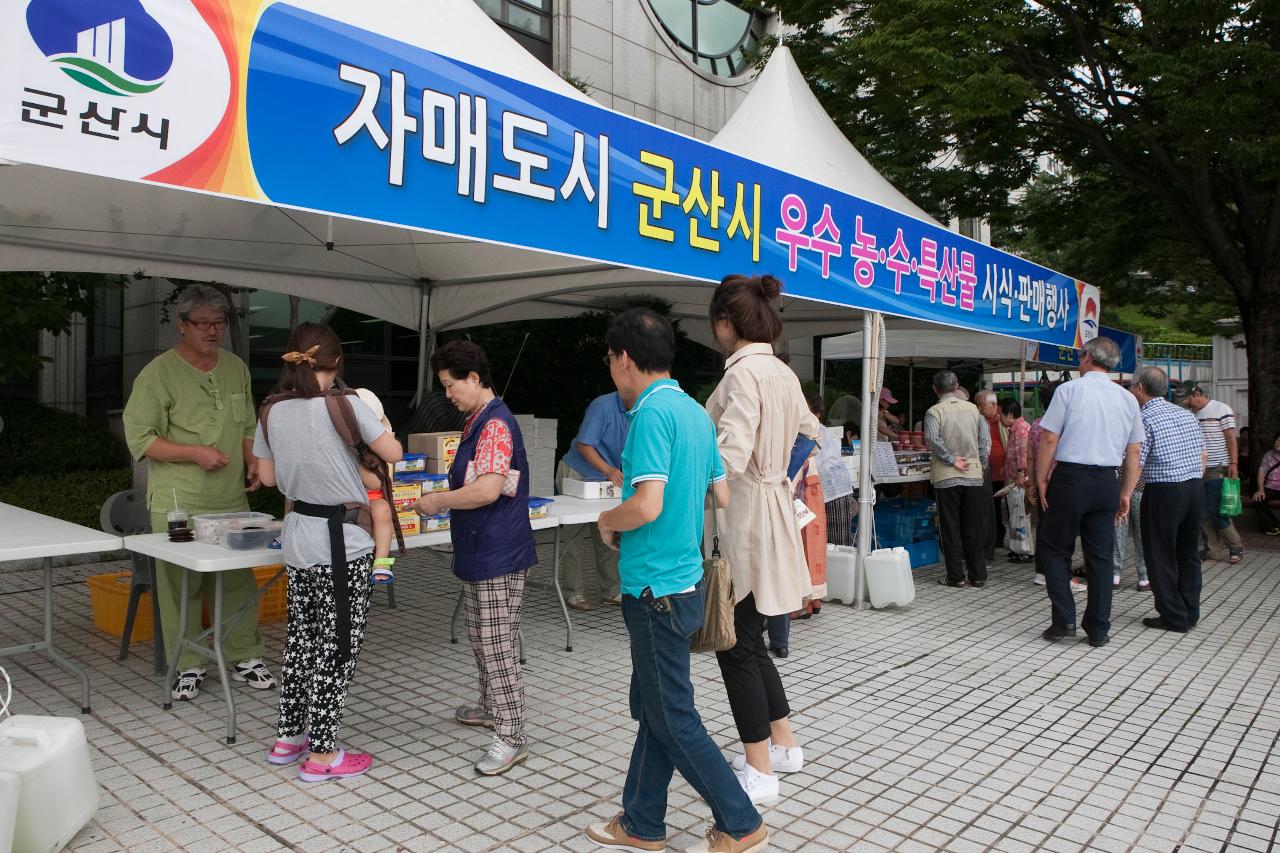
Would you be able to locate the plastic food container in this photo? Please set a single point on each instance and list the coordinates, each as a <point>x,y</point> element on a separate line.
<point>432,523</point>
<point>211,528</point>
<point>248,538</point>
<point>427,482</point>
<point>410,463</point>
<point>539,507</point>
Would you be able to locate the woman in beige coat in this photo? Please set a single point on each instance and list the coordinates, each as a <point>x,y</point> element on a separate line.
<point>759,410</point>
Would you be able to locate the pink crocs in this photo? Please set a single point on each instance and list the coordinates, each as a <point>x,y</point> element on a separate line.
<point>286,753</point>
<point>346,764</point>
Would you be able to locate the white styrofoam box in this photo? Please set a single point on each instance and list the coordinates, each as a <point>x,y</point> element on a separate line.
<point>57,792</point>
<point>889,580</point>
<point>546,425</point>
<point>528,425</point>
<point>591,490</point>
<point>842,565</point>
<point>9,786</point>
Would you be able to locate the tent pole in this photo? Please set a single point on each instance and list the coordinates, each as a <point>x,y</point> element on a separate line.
<point>426,339</point>
<point>1022,379</point>
<point>822,373</point>
<point>911,394</point>
<point>866,498</point>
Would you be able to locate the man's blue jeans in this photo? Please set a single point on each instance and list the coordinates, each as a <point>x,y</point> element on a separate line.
<point>671,735</point>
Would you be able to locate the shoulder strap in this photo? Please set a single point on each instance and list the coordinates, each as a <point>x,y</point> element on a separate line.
<point>262,420</point>
<point>344,422</point>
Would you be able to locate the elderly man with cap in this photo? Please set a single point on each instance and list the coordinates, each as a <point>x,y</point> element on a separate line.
<point>888,425</point>
<point>1218,425</point>
<point>1091,430</point>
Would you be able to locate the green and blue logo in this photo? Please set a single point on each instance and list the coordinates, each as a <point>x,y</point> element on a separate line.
<point>112,46</point>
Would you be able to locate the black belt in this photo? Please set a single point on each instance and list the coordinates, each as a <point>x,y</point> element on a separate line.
<point>335,515</point>
<point>1086,467</point>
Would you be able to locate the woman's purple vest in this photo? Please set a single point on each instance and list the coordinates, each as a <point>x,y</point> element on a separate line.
<point>492,540</point>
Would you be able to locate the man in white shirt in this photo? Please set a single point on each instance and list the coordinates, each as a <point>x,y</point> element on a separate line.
<point>1091,430</point>
<point>1218,425</point>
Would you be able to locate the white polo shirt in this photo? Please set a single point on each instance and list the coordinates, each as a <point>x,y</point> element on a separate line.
<point>1095,419</point>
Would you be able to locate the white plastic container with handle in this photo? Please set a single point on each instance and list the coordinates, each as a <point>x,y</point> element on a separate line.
<point>8,809</point>
<point>889,580</point>
<point>57,791</point>
<point>842,563</point>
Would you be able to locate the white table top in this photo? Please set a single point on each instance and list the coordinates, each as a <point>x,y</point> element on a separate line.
<point>26,535</point>
<point>571,510</point>
<point>201,557</point>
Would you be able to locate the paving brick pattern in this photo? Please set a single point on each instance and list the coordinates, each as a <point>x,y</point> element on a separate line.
<point>946,725</point>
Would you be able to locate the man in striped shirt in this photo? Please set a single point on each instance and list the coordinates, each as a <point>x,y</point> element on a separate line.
<point>1172,460</point>
<point>1218,424</point>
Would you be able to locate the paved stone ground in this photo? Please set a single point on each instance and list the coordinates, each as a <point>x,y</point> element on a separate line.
<point>946,725</point>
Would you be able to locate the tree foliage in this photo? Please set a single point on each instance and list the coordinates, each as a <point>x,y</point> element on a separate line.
<point>34,302</point>
<point>1166,117</point>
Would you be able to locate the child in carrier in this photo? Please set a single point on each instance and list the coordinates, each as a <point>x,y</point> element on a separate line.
<point>379,504</point>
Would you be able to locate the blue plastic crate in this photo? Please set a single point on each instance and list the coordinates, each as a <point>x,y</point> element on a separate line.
<point>923,552</point>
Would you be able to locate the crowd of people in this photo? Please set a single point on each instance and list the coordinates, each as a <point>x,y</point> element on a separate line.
<point>1103,465</point>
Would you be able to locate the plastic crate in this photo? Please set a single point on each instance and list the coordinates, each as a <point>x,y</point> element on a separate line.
<point>923,553</point>
<point>109,599</point>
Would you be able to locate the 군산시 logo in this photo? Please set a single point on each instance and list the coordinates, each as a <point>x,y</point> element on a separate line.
<point>112,46</point>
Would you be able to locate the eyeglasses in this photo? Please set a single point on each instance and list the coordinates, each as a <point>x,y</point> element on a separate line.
<point>206,325</point>
<point>608,358</point>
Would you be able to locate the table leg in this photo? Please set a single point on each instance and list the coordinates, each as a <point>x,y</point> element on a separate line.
<point>48,638</point>
<point>166,686</point>
<point>564,609</point>
<point>222,664</point>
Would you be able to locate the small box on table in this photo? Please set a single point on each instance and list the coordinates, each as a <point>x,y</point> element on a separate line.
<point>591,490</point>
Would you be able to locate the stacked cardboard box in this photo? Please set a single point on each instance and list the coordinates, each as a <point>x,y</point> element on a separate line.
<point>438,447</point>
<point>540,446</point>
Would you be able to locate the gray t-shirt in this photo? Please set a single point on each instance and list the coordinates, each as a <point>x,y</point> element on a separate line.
<point>313,465</point>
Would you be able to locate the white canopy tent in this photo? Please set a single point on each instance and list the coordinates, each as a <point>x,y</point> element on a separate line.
<point>69,220</point>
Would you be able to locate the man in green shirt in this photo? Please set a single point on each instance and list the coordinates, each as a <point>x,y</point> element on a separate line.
<point>191,414</point>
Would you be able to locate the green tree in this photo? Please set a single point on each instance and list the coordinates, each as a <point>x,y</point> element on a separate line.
<point>34,302</point>
<point>1164,115</point>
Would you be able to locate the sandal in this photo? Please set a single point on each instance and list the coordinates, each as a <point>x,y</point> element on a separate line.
<point>1235,555</point>
<point>382,573</point>
<point>285,752</point>
<point>346,764</point>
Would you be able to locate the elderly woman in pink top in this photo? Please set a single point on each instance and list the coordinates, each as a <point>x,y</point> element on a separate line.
<point>1269,489</point>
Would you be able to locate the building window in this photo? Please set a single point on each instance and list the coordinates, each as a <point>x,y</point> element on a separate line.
<point>526,21</point>
<point>718,34</point>
<point>971,227</point>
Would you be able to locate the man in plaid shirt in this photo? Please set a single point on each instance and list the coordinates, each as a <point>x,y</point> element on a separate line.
<point>1172,460</point>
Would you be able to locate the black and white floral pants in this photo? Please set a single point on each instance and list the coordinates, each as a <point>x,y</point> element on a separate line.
<point>313,682</point>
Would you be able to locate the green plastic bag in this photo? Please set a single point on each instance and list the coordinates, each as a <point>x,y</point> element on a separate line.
<point>1231,505</point>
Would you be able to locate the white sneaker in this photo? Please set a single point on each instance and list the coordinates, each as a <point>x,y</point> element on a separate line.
<point>782,759</point>
<point>1039,579</point>
<point>761,789</point>
<point>1078,585</point>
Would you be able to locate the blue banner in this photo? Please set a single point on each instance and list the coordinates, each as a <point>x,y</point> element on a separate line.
<point>347,121</point>
<point>1130,351</point>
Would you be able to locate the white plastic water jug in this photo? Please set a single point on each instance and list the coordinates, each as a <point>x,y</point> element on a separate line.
<point>57,792</point>
<point>8,809</point>
<point>842,565</point>
<point>889,580</point>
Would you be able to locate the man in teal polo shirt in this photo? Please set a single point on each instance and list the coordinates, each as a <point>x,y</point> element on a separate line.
<point>669,463</point>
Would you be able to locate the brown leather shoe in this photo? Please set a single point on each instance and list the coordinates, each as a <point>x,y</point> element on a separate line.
<point>718,842</point>
<point>577,602</point>
<point>614,837</point>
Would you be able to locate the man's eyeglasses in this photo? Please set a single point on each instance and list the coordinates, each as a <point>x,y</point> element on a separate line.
<point>206,325</point>
<point>608,358</point>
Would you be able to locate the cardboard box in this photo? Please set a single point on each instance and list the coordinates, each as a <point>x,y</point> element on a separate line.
<point>409,525</point>
<point>435,445</point>
<point>439,466</point>
<point>405,493</point>
<point>591,491</point>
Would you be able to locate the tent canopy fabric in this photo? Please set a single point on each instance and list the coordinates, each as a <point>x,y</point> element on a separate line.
<point>926,345</point>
